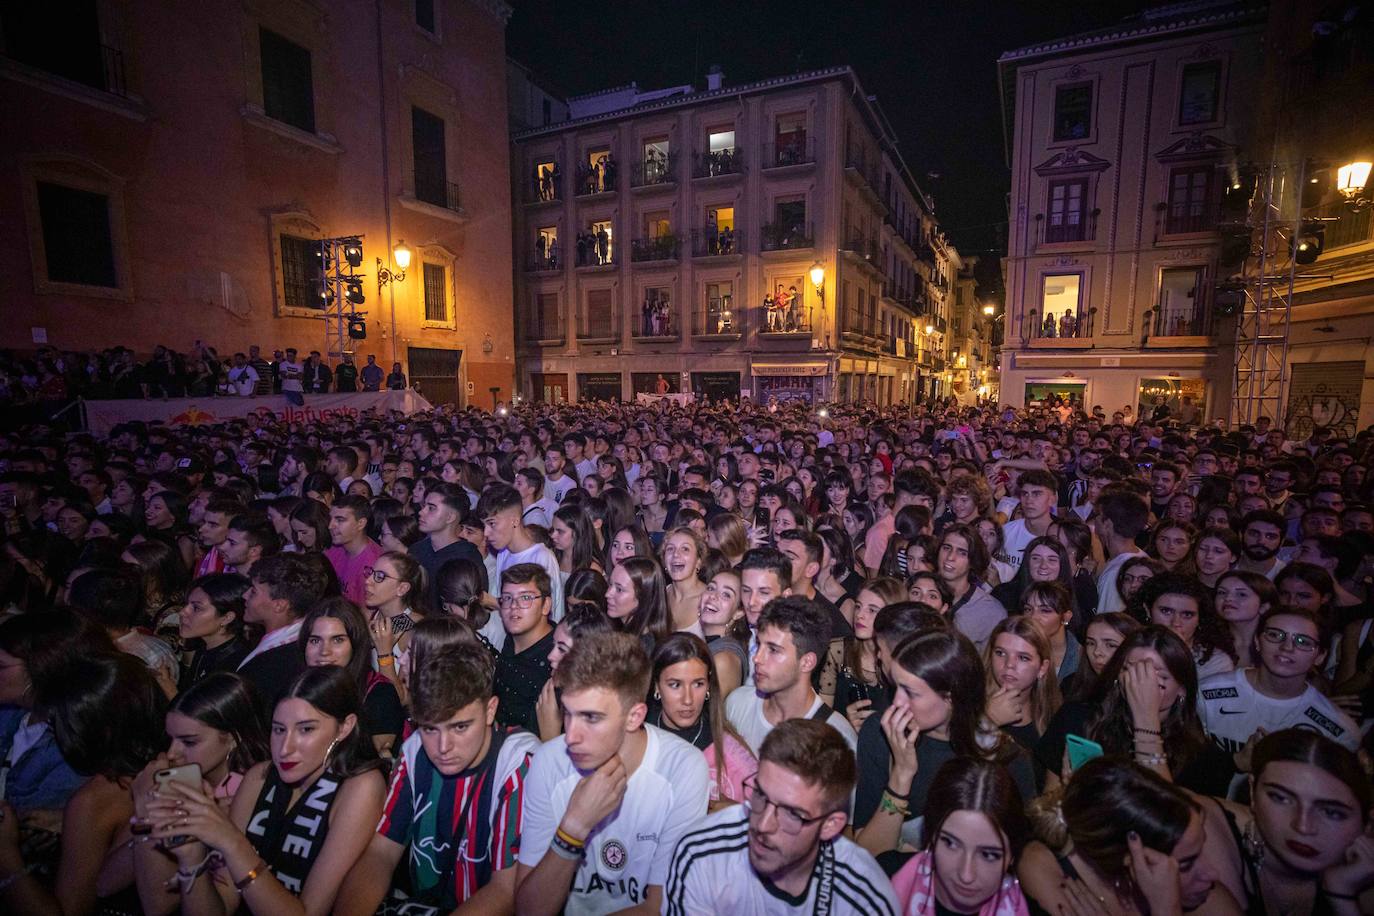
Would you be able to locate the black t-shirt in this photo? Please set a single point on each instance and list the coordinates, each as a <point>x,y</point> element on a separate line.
<point>520,676</point>
<point>423,552</point>
<point>226,657</point>
<point>383,713</point>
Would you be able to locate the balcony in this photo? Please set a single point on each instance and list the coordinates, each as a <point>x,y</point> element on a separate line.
<point>654,171</point>
<point>789,153</point>
<point>660,248</point>
<point>1192,319</point>
<point>938,363</point>
<point>545,260</point>
<point>925,252</point>
<point>719,319</point>
<point>546,329</point>
<point>863,249</point>
<point>601,325</point>
<point>716,243</point>
<point>658,320</point>
<point>435,190</point>
<point>594,252</point>
<point>785,237</point>
<point>545,189</point>
<point>786,319</point>
<point>858,329</point>
<point>1188,218</point>
<point>1068,330</point>
<point>721,163</point>
<point>1068,228</point>
<point>597,179</point>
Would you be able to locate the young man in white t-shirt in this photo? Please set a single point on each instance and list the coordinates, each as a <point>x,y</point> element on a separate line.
<point>1237,706</point>
<point>1039,490</point>
<point>783,850</point>
<point>500,510</point>
<point>607,801</point>
<point>793,635</point>
<point>556,482</point>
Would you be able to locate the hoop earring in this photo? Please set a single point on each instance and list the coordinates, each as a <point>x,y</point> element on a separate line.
<point>329,751</point>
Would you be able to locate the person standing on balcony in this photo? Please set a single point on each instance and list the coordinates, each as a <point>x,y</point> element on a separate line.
<point>1068,325</point>
<point>603,245</point>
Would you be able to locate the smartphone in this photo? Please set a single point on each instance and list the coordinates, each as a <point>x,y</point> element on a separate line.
<point>186,774</point>
<point>1081,750</point>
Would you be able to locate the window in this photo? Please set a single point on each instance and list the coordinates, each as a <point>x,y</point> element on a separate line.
<point>1073,112</point>
<point>436,293</point>
<point>604,241</point>
<point>720,315</point>
<point>1180,311</point>
<point>1067,218</point>
<point>547,325</point>
<point>301,273</point>
<point>546,248</point>
<point>1199,92</point>
<point>718,141</point>
<point>656,224</point>
<point>791,213</point>
<point>76,236</point>
<point>62,39</point>
<point>599,321</point>
<point>1190,196</point>
<point>1061,304</point>
<point>720,219</point>
<point>424,16</point>
<point>654,161</point>
<point>656,313</point>
<point>288,93</point>
<point>791,129</point>
<point>430,157</point>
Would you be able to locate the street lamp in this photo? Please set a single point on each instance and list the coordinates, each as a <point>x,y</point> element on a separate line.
<point>989,310</point>
<point>818,279</point>
<point>1351,181</point>
<point>401,254</point>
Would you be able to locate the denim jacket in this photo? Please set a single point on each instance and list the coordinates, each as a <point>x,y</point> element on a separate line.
<point>40,778</point>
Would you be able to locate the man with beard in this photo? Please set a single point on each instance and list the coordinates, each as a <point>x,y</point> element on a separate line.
<point>1277,482</point>
<point>295,467</point>
<point>1261,537</point>
<point>783,850</point>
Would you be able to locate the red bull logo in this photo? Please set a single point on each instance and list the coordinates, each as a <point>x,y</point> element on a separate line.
<point>192,416</point>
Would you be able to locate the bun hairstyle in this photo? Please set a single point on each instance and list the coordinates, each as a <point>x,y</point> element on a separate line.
<point>461,583</point>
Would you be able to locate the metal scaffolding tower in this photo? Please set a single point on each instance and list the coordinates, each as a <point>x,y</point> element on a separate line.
<point>341,291</point>
<point>1264,320</point>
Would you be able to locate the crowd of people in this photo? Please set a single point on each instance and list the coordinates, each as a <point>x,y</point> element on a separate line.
<point>697,659</point>
<point>53,376</point>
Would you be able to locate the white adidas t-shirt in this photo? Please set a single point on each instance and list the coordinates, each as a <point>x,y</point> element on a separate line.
<point>1015,537</point>
<point>633,847</point>
<point>711,874</point>
<point>744,709</point>
<point>1232,710</point>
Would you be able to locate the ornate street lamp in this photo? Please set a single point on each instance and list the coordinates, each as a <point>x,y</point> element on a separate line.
<point>401,255</point>
<point>1351,180</point>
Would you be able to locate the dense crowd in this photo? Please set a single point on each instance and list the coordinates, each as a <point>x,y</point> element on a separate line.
<point>702,659</point>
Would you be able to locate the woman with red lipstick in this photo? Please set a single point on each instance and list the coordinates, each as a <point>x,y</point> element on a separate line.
<point>1303,845</point>
<point>297,826</point>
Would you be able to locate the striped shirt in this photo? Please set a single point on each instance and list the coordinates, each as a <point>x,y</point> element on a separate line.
<point>417,786</point>
<point>711,873</point>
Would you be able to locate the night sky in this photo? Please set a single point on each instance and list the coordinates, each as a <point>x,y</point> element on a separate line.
<point>931,65</point>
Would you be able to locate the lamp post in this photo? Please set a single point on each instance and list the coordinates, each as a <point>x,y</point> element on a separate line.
<point>386,276</point>
<point>1352,180</point>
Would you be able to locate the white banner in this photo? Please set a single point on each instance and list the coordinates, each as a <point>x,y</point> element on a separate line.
<point>102,416</point>
<point>681,400</point>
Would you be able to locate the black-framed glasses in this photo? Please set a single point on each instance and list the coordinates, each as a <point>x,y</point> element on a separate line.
<point>523,601</point>
<point>376,575</point>
<point>1276,637</point>
<point>789,819</point>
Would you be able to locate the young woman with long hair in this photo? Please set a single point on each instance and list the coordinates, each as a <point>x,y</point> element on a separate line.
<point>857,519</point>
<point>1121,839</point>
<point>1105,635</point>
<point>335,633</point>
<point>849,679</point>
<point>1023,692</point>
<point>962,562</point>
<point>630,541</point>
<point>1184,605</point>
<point>727,533</point>
<point>461,587</point>
<point>837,580</point>
<point>1172,543</point>
<point>683,552</point>
<point>165,519</point>
<point>722,620</point>
<point>1215,553</point>
<point>637,600</point>
<point>1242,597</point>
<point>684,685</point>
<point>395,590</point>
<point>165,579</point>
<point>310,527</point>
<point>211,621</point>
<point>975,831</point>
<point>1045,559</point>
<point>937,713</point>
<point>574,539</point>
<point>298,822</point>
<point>580,620</point>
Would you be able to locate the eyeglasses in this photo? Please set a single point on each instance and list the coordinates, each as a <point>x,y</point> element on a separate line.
<point>521,601</point>
<point>376,575</point>
<point>1276,637</point>
<point>789,819</point>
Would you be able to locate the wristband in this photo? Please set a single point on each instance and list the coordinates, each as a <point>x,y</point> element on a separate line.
<point>385,661</point>
<point>253,874</point>
<point>569,838</point>
<point>888,803</point>
<point>563,849</point>
<point>1148,731</point>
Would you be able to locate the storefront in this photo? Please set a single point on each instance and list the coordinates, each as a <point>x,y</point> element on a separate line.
<point>716,386</point>
<point>655,383</point>
<point>549,387</point>
<point>1042,392</point>
<point>599,386</point>
<point>800,380</point>
<point>1182,399</point>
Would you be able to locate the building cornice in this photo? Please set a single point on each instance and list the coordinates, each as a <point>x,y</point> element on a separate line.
<point>1137,30</point>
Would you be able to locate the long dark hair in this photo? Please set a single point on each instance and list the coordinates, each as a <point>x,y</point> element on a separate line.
<point>462,583</point>
<point>1301,745</point>
<point>355,626</point>
<point>334,692</point>
<point>583,549</point>
<point>315,514</point>
<point>969,784</point>
<point>1113,727</point>
<point>684,647</point>
<point>586,587</point>
<point>651,599</point>
<point>949,664</point>
<point>228,703</point>
<point>107,713</point>
<point>164,572</point>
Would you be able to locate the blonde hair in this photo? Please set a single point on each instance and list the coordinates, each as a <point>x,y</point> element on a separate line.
<point>1044,699</point>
